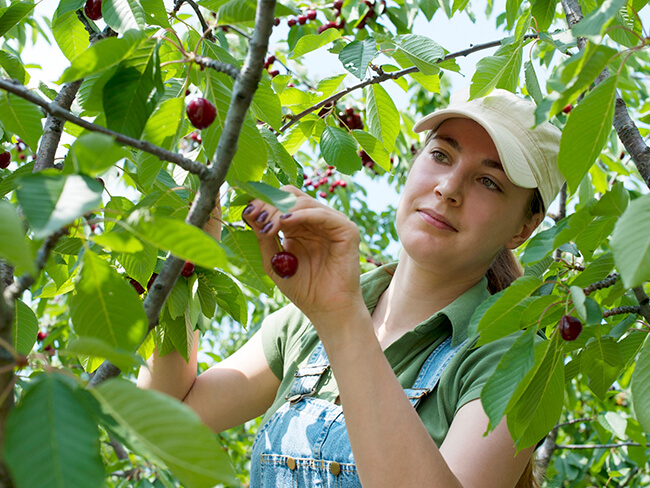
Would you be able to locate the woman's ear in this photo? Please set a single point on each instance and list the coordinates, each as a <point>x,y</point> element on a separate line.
<point>526,230</point>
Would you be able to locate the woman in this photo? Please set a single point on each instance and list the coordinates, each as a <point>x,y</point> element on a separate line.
<point>477,189</point>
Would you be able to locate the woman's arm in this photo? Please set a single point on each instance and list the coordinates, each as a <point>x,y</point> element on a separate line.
<point>238,389</point>
<point>390,443</point>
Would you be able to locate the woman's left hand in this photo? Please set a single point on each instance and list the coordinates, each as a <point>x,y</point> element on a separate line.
<point>326,285</point>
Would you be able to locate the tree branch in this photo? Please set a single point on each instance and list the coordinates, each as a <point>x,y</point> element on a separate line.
<point>390,76</point>
<point>644,302</point>
<point>626,129</point>
<point>52,108</point>
<point>599,285</point>
<point>211,181</point>
<point>621,310</point>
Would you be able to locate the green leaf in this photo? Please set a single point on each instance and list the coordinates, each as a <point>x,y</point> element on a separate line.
<point>373,147</point>
<point>178,299</point>
<point>22,118</point>
<point>266,105</point>
<point>280,158</point>
<point>532,84</point>
<point>382,116</point>
<point>311,42</point>
<point>97,348</point>
<point>236,12</point>
<point>601,363</point>
<point>339,149</point>
<point>14,245</point>
<point>498,71</point>
<point>106,306</point>
<point>161,130</point>
<point>206,299</point>
<point>171,431</point>
<point>536,405</point>
<point>51,436</point>
<point>14,67</point>
<point>123,15</point>
<point>357,55</point>
<point>14,14</point>
<point>614,202</point>
<point>25,328</point>
<point>245,254</point>
<point>119,242</point>
<point>641,387</point>
<point>280,199</point>
<point>139,265</point>
<point>155,13</point>
<point>422,51</point>
<point>544,13</point>
<point>93,153</point>
<point>52,201</point>
<point>631,243</point>
<point>101,55</point>
<point>228,296</point>
<point>510,371</point>
<point>578,298</point>
<point>595,22</point>
<point>586,132</point>
<point>595,271</point>
<point>502,318</point>
<point>127,94</point>
<point>250,160</point>
<point>181,239</point>
<point>70,34</point>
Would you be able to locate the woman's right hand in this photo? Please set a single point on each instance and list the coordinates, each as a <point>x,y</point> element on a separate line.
<point>326,285</point>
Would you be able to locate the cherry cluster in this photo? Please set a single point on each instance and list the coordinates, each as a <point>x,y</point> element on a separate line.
<point>371,13</point>
<point>321,179</point>
<point>301,19</point>
<point>350,119</point>
<point>268,63</point>
<point>336,8</point>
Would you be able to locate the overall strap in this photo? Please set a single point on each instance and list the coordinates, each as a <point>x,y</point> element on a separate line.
<point>307,378</point>
<point>431,370</point>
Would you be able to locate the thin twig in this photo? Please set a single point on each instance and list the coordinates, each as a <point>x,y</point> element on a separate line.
<point>613,445</point>
<point>621,310</point>
<point>207,31</point>
<point>52,108</point>
<point>227,68</point>
<point>390,76</point>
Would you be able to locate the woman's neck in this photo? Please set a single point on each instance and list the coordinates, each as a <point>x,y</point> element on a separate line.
<point>413,295</point>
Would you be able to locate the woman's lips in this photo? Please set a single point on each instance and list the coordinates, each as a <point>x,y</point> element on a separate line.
<point>436,220</point>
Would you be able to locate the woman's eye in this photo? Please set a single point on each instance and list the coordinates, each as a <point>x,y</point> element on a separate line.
<point>489,184</point>
<point>438,156</point>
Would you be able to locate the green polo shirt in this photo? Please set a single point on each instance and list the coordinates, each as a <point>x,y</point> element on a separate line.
<point>289,339</point>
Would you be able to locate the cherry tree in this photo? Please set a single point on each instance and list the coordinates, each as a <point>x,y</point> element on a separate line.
<point>170,112</point>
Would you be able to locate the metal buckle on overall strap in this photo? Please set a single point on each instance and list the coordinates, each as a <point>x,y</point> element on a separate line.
<point>295,398</point>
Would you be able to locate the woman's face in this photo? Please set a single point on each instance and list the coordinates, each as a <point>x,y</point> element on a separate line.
<point>458,208</point>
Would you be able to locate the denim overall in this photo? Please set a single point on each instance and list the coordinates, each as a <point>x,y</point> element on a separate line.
<point>305,443</point>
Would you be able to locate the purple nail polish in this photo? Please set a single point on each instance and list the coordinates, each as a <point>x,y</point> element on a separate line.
<point>286,216</point>
<point>266,228</point>
<point>248,209</point>
<point>262,217</point>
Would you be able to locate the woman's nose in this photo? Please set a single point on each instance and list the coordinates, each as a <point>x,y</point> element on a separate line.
<point>450,187</point>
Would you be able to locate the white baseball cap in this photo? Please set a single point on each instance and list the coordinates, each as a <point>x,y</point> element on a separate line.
<point>528,153</point>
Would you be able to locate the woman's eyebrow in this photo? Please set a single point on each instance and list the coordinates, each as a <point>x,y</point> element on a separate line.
<point>449,140</point>
<point>491,163</point>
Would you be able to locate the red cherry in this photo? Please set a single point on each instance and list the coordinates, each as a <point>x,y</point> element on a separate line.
<point>201,113</point>
<point>322,194</point>
<point>302,19</point>
<point>570,328</point>
<point>342,184</point>
<point>567,109</point>
<point>93,9</point>
<point>274,73</point>
<point>138,287</point>
<point>311,14</point>
<point>291,22</point>
<point>5,159</point>
<point>151,280</point>
<point>284,264</point>
<point>40,337</point>
<point>276,22</point>
<point>188,269</point>
<point>338,4</point>
<point>270,59</point>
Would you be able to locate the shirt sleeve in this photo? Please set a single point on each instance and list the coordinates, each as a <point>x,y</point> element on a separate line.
<point>278,330</point>
<point>478,366</point>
